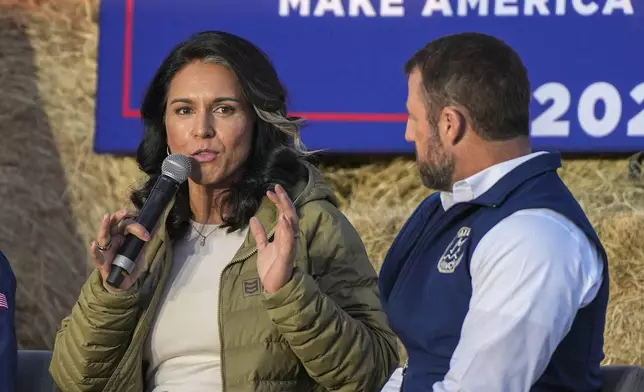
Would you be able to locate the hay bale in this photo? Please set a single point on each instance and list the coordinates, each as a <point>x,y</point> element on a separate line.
<point>59,189</point>
<point>38,233</point>
<point>56,187</point>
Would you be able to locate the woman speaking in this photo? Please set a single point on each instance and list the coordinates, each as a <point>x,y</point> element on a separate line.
<point>255,281</point>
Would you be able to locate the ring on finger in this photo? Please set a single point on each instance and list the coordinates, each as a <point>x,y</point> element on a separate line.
<point>104,248</point>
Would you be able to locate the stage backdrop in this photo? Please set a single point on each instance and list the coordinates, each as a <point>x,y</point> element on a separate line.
<point>342,63</point>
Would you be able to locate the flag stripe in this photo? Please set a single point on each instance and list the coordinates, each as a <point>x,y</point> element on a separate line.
<point>3,301</point>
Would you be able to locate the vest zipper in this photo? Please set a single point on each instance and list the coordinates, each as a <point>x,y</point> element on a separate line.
<point>219,301</point>
<point>404,370</point>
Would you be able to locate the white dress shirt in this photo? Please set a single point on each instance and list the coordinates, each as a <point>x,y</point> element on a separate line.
<point>531,273</point>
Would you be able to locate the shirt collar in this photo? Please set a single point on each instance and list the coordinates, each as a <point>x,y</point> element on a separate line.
<point>476,185</point>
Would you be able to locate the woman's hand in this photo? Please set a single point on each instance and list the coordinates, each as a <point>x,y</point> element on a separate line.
<point>111,235</point>
<point>275,259</point>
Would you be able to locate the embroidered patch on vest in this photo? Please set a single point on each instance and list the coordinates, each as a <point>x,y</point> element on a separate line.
<point>252,287</point>
<point>454,252</point>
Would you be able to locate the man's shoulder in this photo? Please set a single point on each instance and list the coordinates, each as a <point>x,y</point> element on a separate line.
<point>545,234</point>
<point>539,224</point>
<point>541,207</point>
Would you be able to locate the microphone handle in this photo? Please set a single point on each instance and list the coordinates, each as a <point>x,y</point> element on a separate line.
<point>162,192</point>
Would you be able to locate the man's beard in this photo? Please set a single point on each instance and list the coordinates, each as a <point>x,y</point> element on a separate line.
<point>437,173</point>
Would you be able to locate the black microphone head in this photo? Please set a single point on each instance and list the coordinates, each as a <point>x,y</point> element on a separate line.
<point>177,167</point>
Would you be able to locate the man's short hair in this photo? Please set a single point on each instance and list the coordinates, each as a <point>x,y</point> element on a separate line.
<point>480,74</point>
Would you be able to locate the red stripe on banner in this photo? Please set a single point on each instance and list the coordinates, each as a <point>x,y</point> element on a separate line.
<point>127,60</point>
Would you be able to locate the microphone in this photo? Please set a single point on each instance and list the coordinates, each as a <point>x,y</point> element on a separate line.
<point>174,171</point>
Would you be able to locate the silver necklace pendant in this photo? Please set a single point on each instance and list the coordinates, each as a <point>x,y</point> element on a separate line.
<point>202,241</point>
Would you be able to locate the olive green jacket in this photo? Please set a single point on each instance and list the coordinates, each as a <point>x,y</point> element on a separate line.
<point>324,330</point>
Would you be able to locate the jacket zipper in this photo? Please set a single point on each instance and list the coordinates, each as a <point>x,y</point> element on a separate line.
<point>219,301</point>
<point>137,332</point>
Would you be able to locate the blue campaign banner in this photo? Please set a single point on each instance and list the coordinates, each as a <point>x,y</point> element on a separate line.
<point>342,63</point>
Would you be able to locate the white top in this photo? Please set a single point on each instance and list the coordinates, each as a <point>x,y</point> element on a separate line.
<point>530,275</point>
<point>183,347</point>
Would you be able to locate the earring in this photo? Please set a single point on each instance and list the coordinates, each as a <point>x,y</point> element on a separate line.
<point>167,149</point>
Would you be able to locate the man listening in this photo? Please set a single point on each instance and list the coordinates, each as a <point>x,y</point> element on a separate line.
<point>497,282</point>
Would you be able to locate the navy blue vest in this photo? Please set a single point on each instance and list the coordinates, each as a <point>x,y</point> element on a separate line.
<point>426,308</point>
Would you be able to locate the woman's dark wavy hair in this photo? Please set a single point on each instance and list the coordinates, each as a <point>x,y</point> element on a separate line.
<point>277,155</point>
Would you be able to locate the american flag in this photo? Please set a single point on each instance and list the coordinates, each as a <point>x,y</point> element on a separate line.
<point>3,301</point>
